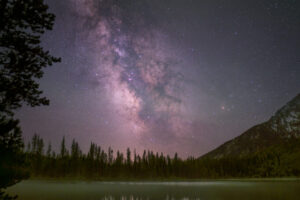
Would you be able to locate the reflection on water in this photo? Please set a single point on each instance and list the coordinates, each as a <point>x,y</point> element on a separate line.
<point>54,190</point>
<point>131,197</point>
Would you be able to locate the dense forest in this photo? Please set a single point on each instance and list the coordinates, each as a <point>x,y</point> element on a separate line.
<point>99,164</point>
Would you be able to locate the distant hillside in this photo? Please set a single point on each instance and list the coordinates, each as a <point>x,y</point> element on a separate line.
<point>281,130</point>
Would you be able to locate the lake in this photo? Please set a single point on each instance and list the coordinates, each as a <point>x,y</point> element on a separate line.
<point>203,190</point>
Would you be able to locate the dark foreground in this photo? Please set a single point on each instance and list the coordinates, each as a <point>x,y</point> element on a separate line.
<point>228,189</point>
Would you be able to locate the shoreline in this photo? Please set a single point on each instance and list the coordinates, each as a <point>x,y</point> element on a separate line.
<point>130,180</point>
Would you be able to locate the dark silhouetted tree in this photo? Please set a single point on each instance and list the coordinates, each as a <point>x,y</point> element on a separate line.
<point>63,149</point>
<point>128,157</point>
<point>22,59</point>
<point>110,155</point>
<point>75,150</point>
<point>11,159</point>
<point>49,150</point>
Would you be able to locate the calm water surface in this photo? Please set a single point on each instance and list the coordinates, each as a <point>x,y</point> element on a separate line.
<point>233,190</point>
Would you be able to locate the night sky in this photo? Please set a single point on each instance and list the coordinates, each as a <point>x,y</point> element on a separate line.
<point>166,75</point>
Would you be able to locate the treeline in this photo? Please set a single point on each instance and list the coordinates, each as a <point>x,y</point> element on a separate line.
<point>101,164</point>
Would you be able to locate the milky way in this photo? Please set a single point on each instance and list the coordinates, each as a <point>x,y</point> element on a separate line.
<point>139,72</point>
<point>168,75</point>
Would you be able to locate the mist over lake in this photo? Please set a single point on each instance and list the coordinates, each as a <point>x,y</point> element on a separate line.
<point>204,190</point>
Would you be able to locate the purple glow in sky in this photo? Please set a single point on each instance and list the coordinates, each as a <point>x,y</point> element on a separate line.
<point>171,76</point>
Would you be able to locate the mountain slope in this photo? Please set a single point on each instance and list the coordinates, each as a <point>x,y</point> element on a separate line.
<point>282,128</point>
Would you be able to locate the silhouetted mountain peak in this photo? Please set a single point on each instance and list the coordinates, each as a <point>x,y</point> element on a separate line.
<point>286,120</point>
<point>282,127</point>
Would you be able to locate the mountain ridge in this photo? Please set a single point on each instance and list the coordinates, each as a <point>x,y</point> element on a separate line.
<point>282,127</point>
